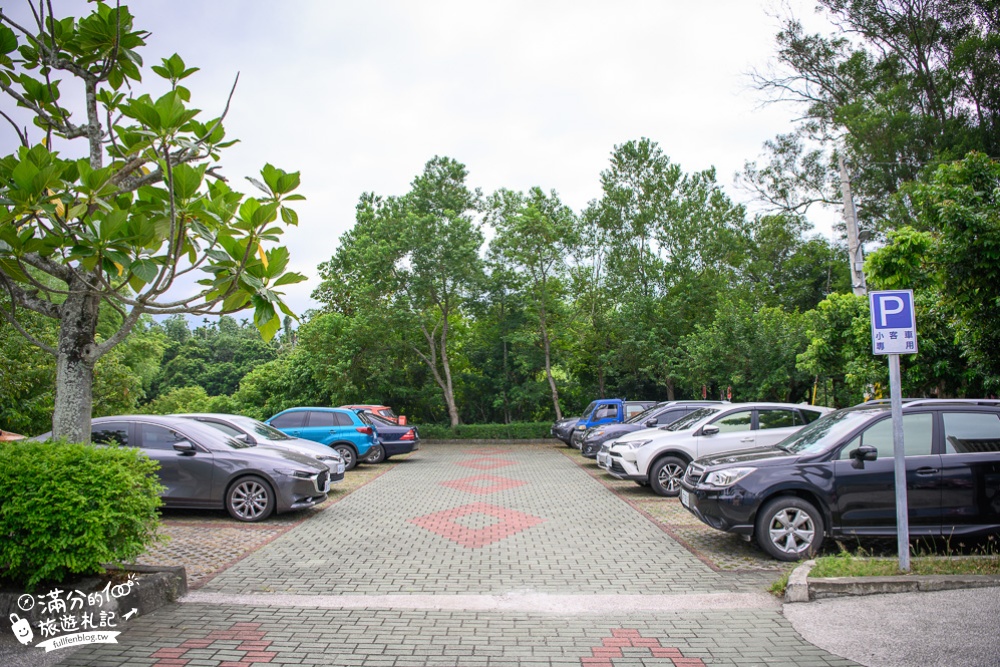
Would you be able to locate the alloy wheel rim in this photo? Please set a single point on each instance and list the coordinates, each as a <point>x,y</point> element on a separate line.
<point>670,477</point>
<point>249,500</point>
<point>792,531</point>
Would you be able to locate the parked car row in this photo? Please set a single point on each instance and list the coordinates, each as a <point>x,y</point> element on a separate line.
<point>251,468</point>
<point>790,476</point>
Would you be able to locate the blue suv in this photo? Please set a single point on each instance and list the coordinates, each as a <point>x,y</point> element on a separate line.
<point>351,433</point>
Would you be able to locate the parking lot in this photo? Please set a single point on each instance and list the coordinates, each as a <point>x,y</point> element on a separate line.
<point>466,555</point>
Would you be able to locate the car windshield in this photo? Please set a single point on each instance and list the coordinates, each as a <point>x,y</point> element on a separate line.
<point>213,438</point>
<point>379,419</point>
<point>260,428</point>
<point>590,408</point>
<point>825,432</point>
<point>689,420</point>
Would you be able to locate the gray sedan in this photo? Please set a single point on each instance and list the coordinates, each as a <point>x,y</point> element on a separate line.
<point>203,468</point>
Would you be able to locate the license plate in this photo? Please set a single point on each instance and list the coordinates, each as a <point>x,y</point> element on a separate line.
<point>685,498</point>
<point>340,468</point>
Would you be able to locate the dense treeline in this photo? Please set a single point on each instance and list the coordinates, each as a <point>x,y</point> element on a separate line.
<point>457,306</point>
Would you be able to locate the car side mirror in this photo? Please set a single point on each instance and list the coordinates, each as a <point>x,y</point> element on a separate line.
<point>650,423</point>
<point>709,430</point>
<point>184,447</point>
<point>862,454</point>
<point>244,437</point>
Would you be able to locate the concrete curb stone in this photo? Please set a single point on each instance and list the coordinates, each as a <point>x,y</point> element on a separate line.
<point>802,588</point>
<point>159,586</point>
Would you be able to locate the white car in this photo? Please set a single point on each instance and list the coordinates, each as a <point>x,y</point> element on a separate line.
<point>659,456</point>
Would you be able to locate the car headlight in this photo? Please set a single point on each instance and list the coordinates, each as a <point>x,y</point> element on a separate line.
<point>299,474</point>
<point>597,433</point>
<point>581,427</point>
<point>635,444</point>
<point>727,477</point>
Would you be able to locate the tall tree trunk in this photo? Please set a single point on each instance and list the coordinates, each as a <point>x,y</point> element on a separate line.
<point>449,391</point>
<point>670,388</point>
<point>75,364</point>
<point>548,367</point>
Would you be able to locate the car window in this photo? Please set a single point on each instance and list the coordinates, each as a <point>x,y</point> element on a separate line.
<point>777,418</point>
<point>810,415</point>
<point>917,437</point>
<point>290,420</point>
<point>365,418</point>
<point>631,410</point>
<point>225,428</point>
<point>111,433</point>
<point>969,432</point>
<point>589,409</point>
<point>689,420</point>
<point>670,416</point>
<point>606,411</point>
<point>321,419</point>
<point>735,421</point>
<point>153,436</point>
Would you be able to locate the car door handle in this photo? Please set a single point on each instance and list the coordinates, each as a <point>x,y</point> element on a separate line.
<point>927,472</point>
<point>747,440</point>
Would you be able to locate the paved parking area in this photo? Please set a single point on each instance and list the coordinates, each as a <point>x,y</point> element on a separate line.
<point>471,556</point>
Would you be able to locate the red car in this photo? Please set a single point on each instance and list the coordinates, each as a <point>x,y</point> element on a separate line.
<point>383,411</point>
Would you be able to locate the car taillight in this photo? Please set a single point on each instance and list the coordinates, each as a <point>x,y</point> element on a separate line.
<point>410,435</point>
<point>367,430</point>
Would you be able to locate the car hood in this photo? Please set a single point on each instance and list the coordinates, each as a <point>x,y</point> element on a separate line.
<point>300,445</point>
<point>759,456</point>
<point>563,423</point>
<point>266,451</point>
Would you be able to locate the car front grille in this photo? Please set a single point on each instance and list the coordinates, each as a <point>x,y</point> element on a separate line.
<point>605,448</point>
<point>693,474</point>
<point>322,480</point>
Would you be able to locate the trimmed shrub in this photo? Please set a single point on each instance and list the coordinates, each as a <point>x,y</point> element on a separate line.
<point>68,509</point>
<point>515,431</point>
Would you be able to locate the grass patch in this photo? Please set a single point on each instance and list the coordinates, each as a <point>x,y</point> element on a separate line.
<point>846,564</point>
<point>778,587</point>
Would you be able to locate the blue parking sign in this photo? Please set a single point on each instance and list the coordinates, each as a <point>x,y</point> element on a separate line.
<point>894,324</point>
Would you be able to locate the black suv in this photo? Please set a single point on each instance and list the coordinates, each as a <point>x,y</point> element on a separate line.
<point>835,478</point>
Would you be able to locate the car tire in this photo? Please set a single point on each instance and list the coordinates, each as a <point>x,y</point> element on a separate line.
<point>250,499</point>
<point>665,476</point>
<point>347,453</point>
<point>376,455</point>
<point>789,528</point>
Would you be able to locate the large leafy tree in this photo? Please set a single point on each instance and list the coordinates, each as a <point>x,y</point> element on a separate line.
<point>898,85</point>
<point>142,210</point>
<point>414,262</point>
<point>535,234</point>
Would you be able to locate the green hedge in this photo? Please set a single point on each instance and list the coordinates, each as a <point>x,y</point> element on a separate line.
<point>515,431</point>
<point>68,509</point>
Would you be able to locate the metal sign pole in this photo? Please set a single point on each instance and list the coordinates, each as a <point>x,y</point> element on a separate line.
<point>899,465</point>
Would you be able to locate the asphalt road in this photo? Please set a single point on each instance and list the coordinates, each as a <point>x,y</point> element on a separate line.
<point>947,628</point>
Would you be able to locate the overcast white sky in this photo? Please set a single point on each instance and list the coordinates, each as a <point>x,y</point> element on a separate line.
<point>359,95</point>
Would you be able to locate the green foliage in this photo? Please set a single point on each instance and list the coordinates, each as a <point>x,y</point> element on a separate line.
<point>68,509</point>
<point>513,431</point>
<point>180,399</point>
<point>119,227</point>
<point>753,351</point>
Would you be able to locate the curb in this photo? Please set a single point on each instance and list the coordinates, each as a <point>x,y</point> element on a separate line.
<point>802,588</point>
<point>159,586</point>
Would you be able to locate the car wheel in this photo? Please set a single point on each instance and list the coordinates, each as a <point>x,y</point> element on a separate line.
<point>347,453</point>
<point>250,499</point>
<point>376,455</point>
<point>665,477</point>
<point>789,528</point>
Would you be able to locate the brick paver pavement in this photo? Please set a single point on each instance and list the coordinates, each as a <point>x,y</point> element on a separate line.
<point>396,574</point>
